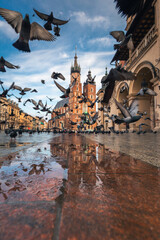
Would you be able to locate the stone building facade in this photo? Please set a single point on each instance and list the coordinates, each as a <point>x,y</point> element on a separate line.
<point>144,62</point>
<point>11,116</point>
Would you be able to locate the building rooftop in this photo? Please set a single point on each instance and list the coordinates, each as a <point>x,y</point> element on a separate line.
<point>61,103</point>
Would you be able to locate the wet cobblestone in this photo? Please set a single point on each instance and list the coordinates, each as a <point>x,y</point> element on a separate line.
<point>75,188</point>
<point>145,147</point>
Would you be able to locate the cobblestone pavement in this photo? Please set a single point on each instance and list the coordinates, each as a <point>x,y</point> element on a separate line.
<point>72,188</point>
<point>145,147</point>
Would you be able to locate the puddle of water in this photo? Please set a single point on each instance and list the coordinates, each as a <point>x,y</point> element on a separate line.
<point>72,181</point>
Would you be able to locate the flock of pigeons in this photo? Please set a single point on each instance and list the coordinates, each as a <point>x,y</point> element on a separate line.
<point>27,32</point>
<point>31,31</point>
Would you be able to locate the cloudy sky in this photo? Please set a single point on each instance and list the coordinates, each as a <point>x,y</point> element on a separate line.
<point>88,29</point>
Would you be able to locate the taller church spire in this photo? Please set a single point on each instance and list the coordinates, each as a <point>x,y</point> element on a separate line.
<point>76,67</point>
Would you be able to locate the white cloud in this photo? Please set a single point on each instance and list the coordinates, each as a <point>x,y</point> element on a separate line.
<point>7,30</point>
<point>103,41</point>
<point>97,21</point>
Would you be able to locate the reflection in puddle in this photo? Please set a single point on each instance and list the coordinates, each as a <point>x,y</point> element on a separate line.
<point>80,161</point>
<point>51,186</point>
<point>13,144</point>
<point>88,161</point>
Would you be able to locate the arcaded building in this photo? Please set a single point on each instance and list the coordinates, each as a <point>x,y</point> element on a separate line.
<point>144,62</point>
<point>73,112</point>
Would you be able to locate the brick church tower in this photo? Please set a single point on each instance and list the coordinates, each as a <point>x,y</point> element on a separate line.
<point>89,90</point>
<point>70,109</point>
<point>76,90</point>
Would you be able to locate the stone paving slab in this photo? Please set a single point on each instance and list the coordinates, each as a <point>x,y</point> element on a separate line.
<point>27,220</point>
<point>145,147</point>
<point>115,209</point>
<point>73,189</point>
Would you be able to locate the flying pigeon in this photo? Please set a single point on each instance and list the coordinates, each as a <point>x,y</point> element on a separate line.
<point>43,81</point>
<point>93,103</point>
<point>140,126</point>
<point>50,99</point>
<point>35,104</point>
<point>57,75</point>
<point>146,90</point>
<point>34,90</point>
<point>115,74</point>
<point>51,20</point>
<point>4,63</point>
<point>5,92</point>
<point>148,118</point>
<point>129,115</point>
<point>92,120</point>
<point>72,123</point>
<point>64,90</point>
<point>19,99</point>
<point>26,30</point>
<point>28,100</point>
<point>123,39</point>
<point>22,91</point>
<point>44,107</point>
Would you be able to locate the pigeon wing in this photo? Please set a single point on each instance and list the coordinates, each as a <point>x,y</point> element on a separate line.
<point>141,92</point>
<point>118,120</point>
<point>40,103</point>
<point>10,65</point>
<point>123,110</point>
<point>115,75</point>
<point>108,91</point>
<point>125,75</point>
<point>88,100</point>
<point>61,76</point>
<point>26,89</point>
<point>28,100</point>
<point>96,99</point>
<point>13,18</point>
<point>34,102</point>
<point>73,83</point>
<point>118,35</point>
<point>151,92</point>
<point>40,33</point>
<point>41,15</point>
<point>60,87</point>
<point>11,87</point>
<point>53,75</point>
<point>17,88</point>
<point>56,21</point>
<point>133,109</point>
